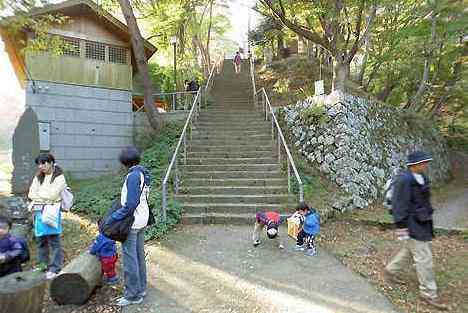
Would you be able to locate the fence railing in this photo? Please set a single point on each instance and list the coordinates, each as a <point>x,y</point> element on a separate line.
<point>276,131</point>
<point>192,118</point>
<point>174,101</point>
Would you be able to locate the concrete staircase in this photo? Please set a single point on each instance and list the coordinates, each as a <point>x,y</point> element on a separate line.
<point>232,168</point>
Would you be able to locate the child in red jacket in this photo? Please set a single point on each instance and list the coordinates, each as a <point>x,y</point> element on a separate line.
<point>270,221</point>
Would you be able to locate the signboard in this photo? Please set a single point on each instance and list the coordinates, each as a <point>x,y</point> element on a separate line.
<point>319,88</point>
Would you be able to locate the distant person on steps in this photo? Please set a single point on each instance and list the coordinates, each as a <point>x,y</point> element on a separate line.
<point>237,62</point>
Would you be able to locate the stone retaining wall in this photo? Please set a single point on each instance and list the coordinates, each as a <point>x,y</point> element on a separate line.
<point>359,144</point>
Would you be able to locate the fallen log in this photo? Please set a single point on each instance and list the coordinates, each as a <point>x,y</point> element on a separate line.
<point>77,280</point>
<point>22,292</point>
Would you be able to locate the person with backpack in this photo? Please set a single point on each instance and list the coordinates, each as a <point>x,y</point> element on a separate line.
<point>412,214</point>
<point>237,62</point>
<point>133,203</point>
<point>13,250</point>
<point>310,229</point>
<point>46,194</point>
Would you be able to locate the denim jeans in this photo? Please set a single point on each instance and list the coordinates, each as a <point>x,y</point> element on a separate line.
<point>134,264</point>
<point>48,243</point>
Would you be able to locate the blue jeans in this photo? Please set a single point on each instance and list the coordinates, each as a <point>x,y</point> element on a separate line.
<point>134,264</point>
<point>46,244</point>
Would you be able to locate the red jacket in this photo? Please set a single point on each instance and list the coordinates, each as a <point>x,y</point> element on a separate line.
<point>266,218</point>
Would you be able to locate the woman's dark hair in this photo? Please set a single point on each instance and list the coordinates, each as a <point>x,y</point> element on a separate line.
<point>47,158</point>
<point>5,220</point>
<point>129,156</point>
<point>302,206</point>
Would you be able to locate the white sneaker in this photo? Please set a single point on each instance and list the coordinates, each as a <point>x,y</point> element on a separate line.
<point>50,275</point>
<point>299,248</point>
<point>256,243</point>
<point>124,301</point>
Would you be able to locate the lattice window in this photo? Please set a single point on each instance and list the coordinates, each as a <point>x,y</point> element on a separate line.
<point>95,51</point>
<point>72,47</point>
<point>117,55</point>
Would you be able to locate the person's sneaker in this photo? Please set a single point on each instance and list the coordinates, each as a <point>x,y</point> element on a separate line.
<point>393,278</point>
<point>111,281</point>
<point>299,248</point>
<point>256,243</point>
<point>435,302</point>
<point>143,294</point>
<point>124,301</point>
<point>50,275</point>
<point>310,252</point>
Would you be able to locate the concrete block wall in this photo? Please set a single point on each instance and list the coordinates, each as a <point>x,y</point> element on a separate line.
<point>88,125</point>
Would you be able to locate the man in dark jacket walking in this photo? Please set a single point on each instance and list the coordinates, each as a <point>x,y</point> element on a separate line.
<point>412,214</point>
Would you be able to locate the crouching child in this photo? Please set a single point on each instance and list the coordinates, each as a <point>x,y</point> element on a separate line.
<point>310,229</point>
<point>105,249</point>
<point>269,221</point>
<point>13,250</point>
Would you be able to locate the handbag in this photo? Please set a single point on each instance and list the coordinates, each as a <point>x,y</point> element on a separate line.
<point>117,230</point>
<point>67,199</point>
<point>50,214</point>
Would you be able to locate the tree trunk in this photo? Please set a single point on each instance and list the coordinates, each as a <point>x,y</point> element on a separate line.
<point>340,74</point>
<point>389,86</point>
<point>22,292</point>
<point>208,56</point>
<point>142,64</point>
<point>77,280</point>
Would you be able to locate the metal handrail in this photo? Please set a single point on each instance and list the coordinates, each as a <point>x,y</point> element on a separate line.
<point>173,94</point>
<point>267,109</point>
<point>191,118</point>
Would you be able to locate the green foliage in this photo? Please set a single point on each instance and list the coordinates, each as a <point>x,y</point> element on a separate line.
<point>95,196</point>
<point>314,115</point>
<point>281,86</point>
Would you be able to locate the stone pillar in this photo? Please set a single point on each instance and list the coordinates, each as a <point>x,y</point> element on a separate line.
<point>25,150</point>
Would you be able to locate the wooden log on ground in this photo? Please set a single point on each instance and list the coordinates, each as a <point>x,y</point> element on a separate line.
<point>77,280</point>
<point>22,292</point>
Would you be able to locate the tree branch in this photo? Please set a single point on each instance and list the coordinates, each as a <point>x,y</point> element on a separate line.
<point>360,40</point>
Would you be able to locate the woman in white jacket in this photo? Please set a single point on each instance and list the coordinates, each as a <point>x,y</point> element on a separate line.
<point>45,193</point>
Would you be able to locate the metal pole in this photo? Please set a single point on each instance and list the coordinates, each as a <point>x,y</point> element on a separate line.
<point>289,177</point>
<point>272,130</point>
<point>173,102</point>
<point>279,148</point>
<point>185,148</point>
<point>176,169</point>
<point>164,201</point>
<point>175,66</point>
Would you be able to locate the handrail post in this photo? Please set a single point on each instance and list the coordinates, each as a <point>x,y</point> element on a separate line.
<point>176,176</point>
<point>164,201</point>
<point>279,148</point>
<point>289,177</point>
<point>272,130</point>
<point>173,102</point>
<point>185,147</point>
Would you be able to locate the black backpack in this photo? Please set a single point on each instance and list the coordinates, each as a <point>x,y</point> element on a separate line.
<point>116,230</point>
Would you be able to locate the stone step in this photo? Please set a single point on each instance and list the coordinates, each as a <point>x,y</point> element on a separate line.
<point>235,208</point>
<point>231,154</point>
<point>230,161</point>
<point>239,190</point>
<point>231,148</point>
<point>236,182</point>
<point>231,119</point>
<point>234,174</point>
<point>231,136</point>
<point>221,218</point>
<point>252,142</point>
<point>206,133</point>
<point>224,198</point>
<point>232,167</point>
<point>261,127</point>
<point>230,111</point>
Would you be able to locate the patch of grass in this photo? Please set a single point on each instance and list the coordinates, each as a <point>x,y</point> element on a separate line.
<point>95,196</point>
<point>314,115</point>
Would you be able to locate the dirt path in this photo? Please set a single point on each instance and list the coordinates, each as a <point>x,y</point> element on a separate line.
<point>453,207</point>
<point>215,269</point>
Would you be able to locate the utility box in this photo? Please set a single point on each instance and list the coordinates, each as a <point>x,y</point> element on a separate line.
<point>44,136</point>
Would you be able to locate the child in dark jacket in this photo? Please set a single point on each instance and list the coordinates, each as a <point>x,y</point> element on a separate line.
<point>310,229</point>
<point>11,249</point>
<point>104,248</point>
